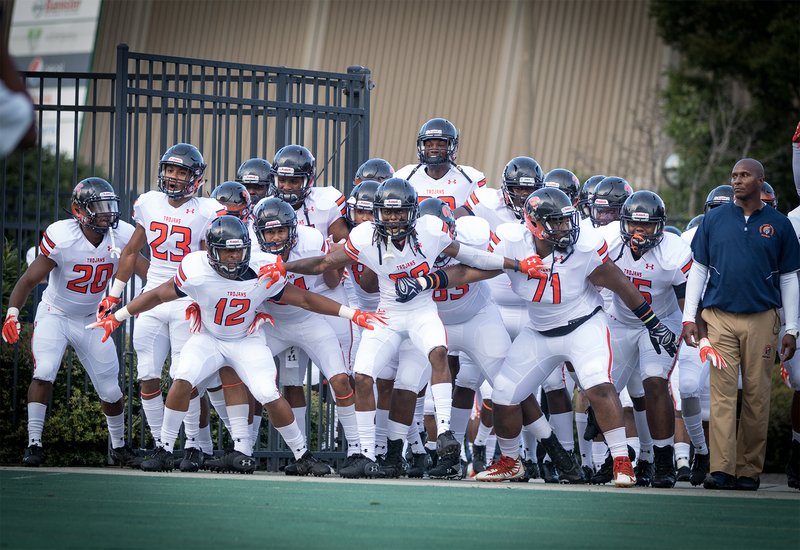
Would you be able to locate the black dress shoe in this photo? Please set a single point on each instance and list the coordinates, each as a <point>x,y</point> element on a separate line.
<point>747,484</point>
<point>719,480</point>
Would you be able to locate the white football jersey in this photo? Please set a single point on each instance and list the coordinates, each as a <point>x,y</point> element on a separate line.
<point>322,207</point>
<point>488,203</point>
<point>82,271</point>
<point>461,303</point>
<point>688,235</point>
<point>566,293</point>
<point>227,307</point>
<point>310,243</point>
<point>357,296</point>
<point>654,275</point>
<point>453,188</point>
<point>172,233</point>
<point>391,264</point>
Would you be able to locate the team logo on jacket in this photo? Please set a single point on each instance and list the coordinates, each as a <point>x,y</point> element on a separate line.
<point>766,230</point>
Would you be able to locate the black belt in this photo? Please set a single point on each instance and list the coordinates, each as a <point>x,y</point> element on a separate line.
<point>570,326</point>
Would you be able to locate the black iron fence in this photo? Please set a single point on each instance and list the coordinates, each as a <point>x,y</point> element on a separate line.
<point>118,125</point>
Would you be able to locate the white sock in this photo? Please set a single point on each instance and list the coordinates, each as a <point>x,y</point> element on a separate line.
<point>396,430</point>
<point>599,452</point>
<point>616,441</point>
<point>240,429</point>
<point>509,447</point>
<point>36,414</point>
<point>294,439</point>
<point>347,417</point>
<point>562,426</point>
<point>415,441</point>
<point>191,424</point>
<point>170,427</point>
<point>254,434</point>
<point>682,452</point>
<point>491,444</point>
<point>694,427</point>
<point>366,432</point>
<point>482,435</point>
<point>664,442</point>
<point>443,402</point>
<point>381,427</point>
<point>217,399</point>
<point>458,423</point>
<point>633,442</point>
<point>116,429</point>
<point>204,440</point>
<point>540,428</point>
<point>419,414</point>
<point>300,418</point>
<point>645,441</point>
<point>154,413</point>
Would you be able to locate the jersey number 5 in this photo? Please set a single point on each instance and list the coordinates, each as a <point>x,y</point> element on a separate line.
<point>238,307</point>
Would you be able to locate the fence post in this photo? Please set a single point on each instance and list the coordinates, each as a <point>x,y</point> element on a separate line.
<point>120,127</point>
<point>357,148</point>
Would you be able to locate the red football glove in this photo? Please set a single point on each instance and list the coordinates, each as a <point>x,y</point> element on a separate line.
<point>11,329</point>
<point>272,273</point>
<point>796,136</point>
<point>193,316</point>
<point>108,323</point>
<point>707,352</point>
<point>105,306</point>
<point>260,319</point>
<point>367,319</point>
<point>531,266</point>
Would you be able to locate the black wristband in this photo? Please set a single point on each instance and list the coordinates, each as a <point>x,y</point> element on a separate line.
<point>646,314</point>
<point>437,279</point>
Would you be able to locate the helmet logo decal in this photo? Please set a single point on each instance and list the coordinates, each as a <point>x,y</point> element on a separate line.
<point>433,132</point>
<point>176,160</point>
<point>392,203</point>
<point>234,243</point>
<point>248,178</point>
<point>525,179</point>
<point>285,171</point>
<point>640,216</point>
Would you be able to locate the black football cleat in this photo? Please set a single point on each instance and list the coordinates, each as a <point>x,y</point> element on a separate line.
<point>664,476</point>
<point>478,459</point>
<point>448,467</point>
<point>160,461</point>
<point>34,455</point>
<point>232,461</point>
<point>124,456</point>
<point>645,471</point>
<point>569,471</point>
<point>309,464</point>
<point>358,466</point>
<point>701,465</point>
<point>592,429</point>
<point>192,460</point>
<point>392,464</point>
<point>793,466</point>
<point>684,473</point>
<point>447,445</point>
<point>417,466</point>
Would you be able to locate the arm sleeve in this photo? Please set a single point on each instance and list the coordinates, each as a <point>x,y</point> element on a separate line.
<point>790,296</point>
<point>694,290</point>
<point>478,258</point>
<point>796,164</point>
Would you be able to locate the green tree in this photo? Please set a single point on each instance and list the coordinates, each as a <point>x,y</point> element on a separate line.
<point>735,91</point>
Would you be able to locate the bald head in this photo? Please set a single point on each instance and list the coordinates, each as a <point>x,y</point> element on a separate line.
<point>751,165</point>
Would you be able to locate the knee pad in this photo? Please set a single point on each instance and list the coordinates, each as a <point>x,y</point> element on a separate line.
<point>107,387</point>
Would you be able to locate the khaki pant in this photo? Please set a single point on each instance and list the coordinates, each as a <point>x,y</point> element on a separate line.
<point>748,343</point>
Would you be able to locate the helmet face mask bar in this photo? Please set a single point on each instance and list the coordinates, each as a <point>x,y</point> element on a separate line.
<point>226,234</point>
<point>395,209</point>
<point>270,214</point>
<point>440,129</point>
<point>642,221</point>
<point>95,205</point>
<point>185,157</point>
<point>521,177</point>
<point>550,217</point>
<point>292,164</point>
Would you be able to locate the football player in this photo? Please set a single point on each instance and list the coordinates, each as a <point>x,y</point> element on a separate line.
<point>437,174</point>
<point>235,198</point>
<point>656,263</point>
<point>564,289</point>
<point>223,281</point>
<point>396,246</point>
<point>256,175</point>
<point>78,258</point>
<point>171,222</point>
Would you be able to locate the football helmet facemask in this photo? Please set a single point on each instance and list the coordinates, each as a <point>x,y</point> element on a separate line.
<point>437,128</point>
<point>551,217</point>
<point>609,196</point>
<point>95,205</point>
<point>395,209</point>
<point>521,176</point>
<point>234,197</point>
<point>273,213</point>
<point>224,234</point>
<point>293,161</point>
<point>641,211</point>
<point>188,157</point>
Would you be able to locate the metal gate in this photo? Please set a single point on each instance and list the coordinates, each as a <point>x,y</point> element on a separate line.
<point>122,124</point>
